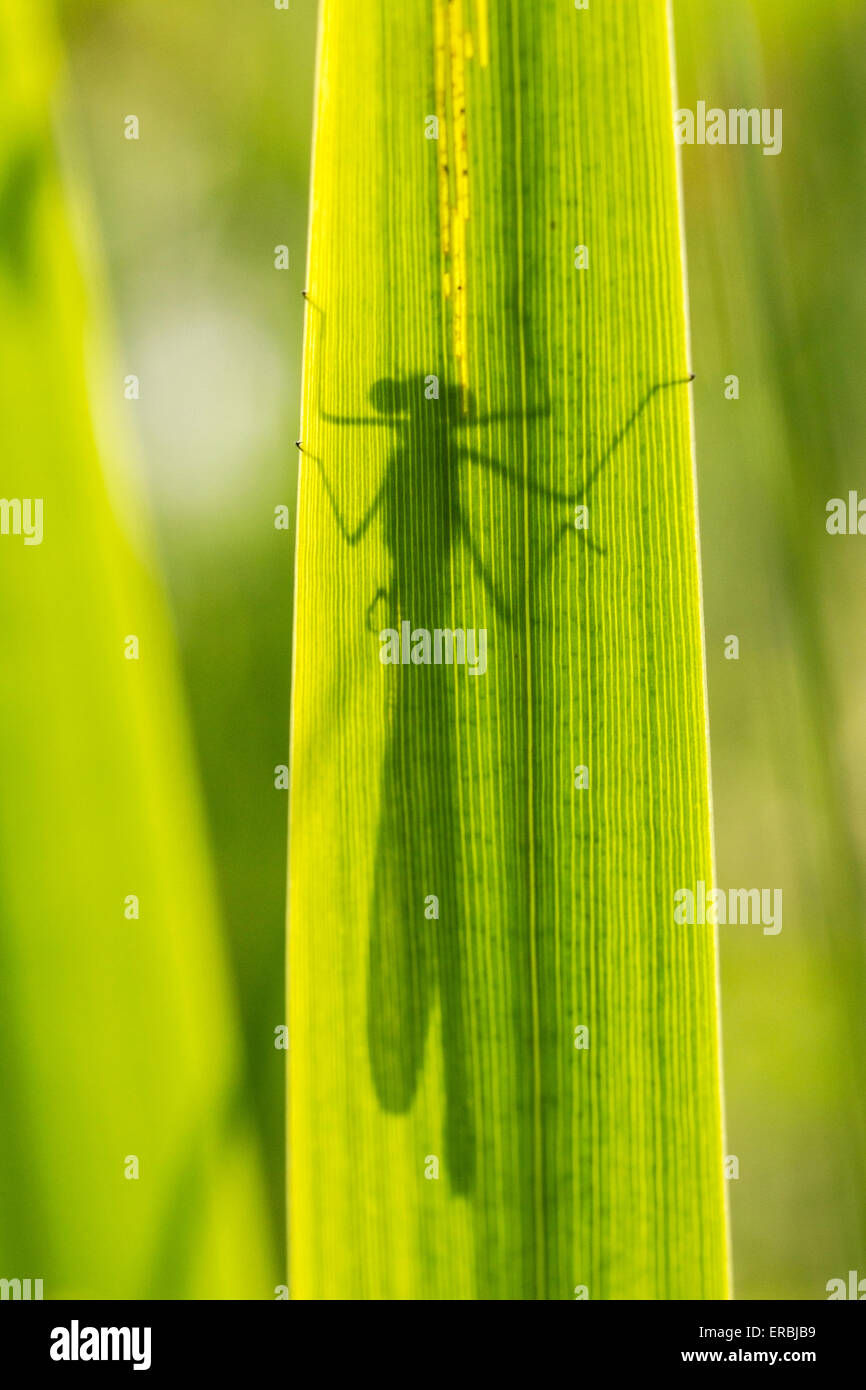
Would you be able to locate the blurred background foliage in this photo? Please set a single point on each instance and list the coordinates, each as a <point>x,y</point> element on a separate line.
<point>778,295</point>
<point>188,218</point>
<point>130,1158</point>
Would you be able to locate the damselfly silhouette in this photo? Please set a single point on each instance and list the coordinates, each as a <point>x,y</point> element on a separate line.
<point>419,846</point>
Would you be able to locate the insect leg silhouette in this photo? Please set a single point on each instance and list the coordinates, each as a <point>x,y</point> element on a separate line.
<point>493,466</point>
<point>499,604</point>
<point>635,415</point>
<point>349,536</point>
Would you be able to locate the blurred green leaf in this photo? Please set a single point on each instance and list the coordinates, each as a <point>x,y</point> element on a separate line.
<point>777,281</point>
<point>119,1036</point>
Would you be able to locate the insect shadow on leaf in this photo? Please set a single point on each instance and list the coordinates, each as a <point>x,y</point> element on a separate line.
<point>419,851</point>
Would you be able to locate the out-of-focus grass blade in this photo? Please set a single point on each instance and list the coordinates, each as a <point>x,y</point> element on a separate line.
<point>462,907</point>
<point>778,286</point>
<point>118,1035</point>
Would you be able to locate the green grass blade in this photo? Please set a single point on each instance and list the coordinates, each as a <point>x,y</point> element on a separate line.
<point>447,1136</point>
<point>117,1035</point>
